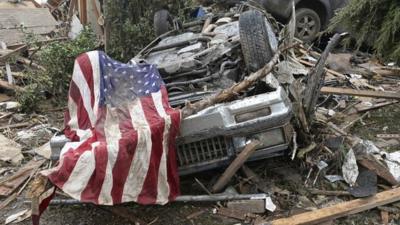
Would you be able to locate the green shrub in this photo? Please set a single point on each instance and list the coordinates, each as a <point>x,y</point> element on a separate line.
<point>374,22</point>
<point>57,58</point>
<point>131,23</point>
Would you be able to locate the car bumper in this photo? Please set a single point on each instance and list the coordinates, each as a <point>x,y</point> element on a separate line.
<point>214,136</point>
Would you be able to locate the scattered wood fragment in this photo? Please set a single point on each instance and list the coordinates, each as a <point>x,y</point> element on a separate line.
<point>4,98</point>
<point>372,163</point>
<point>303,151</point>
<point>9,184</point>
<point>30,63</point>
<point>8,200</point>
<point>332,72</point>
<point>19,216</point>
<point>364,93</point>
<point>10,151</point>
<point>13,52</point>
<point>16,125</point>
<point>389,209</point>
<point>316,78</point>
<point>351,123</point>
<point>261,184</point>
<point>342,209</point>
<point>388,135</point>
<point>334,193</point>
<point>234,214</point>
<point>247,206</point>
<point>8,68</point>
<point>235,165</point>
<point>195,214</point>
<point>385,217</point>
<point>375,106</point>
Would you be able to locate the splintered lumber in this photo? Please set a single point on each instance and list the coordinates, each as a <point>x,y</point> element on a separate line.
<point>8,68</point>
<point>9,184</point>
<point>16,125</point>
<point>235,165</point>
<point>342,209</point>
<point>8,200</point>
<point>316,77</point>
<point>332,72</point>
<point>323,192</point>
<point>364,93</point>
<point>371,163</point>
<point>375,106</point>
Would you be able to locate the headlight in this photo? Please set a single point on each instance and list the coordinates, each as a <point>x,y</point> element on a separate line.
<point>242,117</point>
<point>270,138</point>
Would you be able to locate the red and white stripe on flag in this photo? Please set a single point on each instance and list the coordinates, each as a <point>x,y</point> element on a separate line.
<point>120,154</point>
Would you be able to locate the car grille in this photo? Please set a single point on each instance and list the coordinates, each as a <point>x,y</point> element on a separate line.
<point>202,151</point>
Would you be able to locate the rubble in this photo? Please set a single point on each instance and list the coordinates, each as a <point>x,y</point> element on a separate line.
<point>332,95</point>
<point>10,151</point>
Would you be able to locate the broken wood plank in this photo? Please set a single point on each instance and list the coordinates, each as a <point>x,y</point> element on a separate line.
<point>364,93</point>
<point>334,193</point>
<point>10,151</point>
<point>261,184</point>
<point>342,209</point>
<point>385,217</point>
<point>371,163</point>
<point>13,52</point>
<point>316,77</point>
<point>4,98</point>
<point>388,136</point>
<point>8,200</point>
<point>8,68</point>
<point>9,184</point>
<point>375,106</point>
<point>235,165</point>
<point>16,125</point>
<point>332,72</point>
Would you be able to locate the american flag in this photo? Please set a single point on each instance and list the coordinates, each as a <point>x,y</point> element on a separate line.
<point>124,134</point>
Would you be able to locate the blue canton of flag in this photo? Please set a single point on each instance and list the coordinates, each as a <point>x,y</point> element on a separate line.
<point>122,82</point>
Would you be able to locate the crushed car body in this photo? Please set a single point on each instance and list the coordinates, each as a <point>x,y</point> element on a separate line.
<point>200,62</point>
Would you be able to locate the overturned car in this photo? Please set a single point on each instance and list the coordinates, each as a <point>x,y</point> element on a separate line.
<point>203,60</point>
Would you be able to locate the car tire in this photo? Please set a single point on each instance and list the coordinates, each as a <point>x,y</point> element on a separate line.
<point>257,39</point>
<point>162,22</point>
<point>308,24</point>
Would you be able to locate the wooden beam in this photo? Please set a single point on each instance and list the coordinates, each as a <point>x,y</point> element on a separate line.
<point>9,184</point>
<point>83,11</point>
<point>342,209</point>
<point>364,93</point>
<point>371,163</point>
<point>235,165</point>
<point>316,77</point>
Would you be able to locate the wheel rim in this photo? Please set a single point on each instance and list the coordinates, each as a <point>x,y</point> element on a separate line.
<point>306,27</point>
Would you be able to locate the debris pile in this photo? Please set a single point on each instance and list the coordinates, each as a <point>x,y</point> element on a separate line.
<point>343,159</point>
